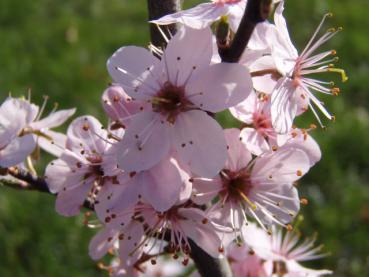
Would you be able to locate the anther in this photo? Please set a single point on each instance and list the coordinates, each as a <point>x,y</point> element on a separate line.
<point>304,201</point>
<point>289,227</point>
<point>299,173</point>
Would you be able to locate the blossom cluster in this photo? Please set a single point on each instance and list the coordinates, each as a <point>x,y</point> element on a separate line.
<point>163,175</point>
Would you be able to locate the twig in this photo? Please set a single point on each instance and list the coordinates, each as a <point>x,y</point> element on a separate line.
<point>256,11</point>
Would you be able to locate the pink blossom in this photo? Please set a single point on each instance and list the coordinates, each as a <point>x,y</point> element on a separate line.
<point>283,253</point>
<point>84,166</point>
<point>261,187</point>
<point>181,88</point>
<point>296,90</point>
<point>21,129</point>
<point>179,223</point>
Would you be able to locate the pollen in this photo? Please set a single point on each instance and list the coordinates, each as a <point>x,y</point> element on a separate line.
<point>289,227</point>
<point>304,201</point>
<point>299,173</point>
<point>86,127</point>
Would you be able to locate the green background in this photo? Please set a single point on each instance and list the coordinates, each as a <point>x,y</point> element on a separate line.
<point>59,48</point>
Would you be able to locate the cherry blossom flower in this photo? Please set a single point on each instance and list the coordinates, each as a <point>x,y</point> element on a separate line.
<point>260,187</point>
<point>255,112</point>
<point>296,89</point>
<point>203,15</point>
<point>21,129</point>
<point>181,88</point>
<point>137,226</point>
<point>84,166</point>
<point>283,253</point>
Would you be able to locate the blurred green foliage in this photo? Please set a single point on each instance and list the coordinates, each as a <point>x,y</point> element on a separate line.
<point>59,48</point>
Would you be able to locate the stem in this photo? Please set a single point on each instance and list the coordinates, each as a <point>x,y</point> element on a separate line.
<point>157,9</point>
<point>256,11</point>
<point>207,265</point>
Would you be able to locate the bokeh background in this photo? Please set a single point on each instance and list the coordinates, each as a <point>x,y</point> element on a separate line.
<point>59,48</point>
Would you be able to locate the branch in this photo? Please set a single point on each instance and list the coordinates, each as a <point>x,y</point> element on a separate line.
<point>207,265</point>
<point>24,180</point>
<point>157,9</point>
<point>256,11</point>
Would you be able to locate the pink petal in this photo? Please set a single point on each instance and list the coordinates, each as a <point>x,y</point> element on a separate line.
<point>200,143</point>
<point>285,165</point>
<point>162,184</point>
<point>254,141</point>
<point>219,87</point>
<point>182,61</point>
<point>53,120</point>
<point>85,133</point>
<point>308,145</point>
<point>244,111</point>
<point>17,151</point>
<point>119,106</point>
<point>205,190</point>
<point>235,13</point>
<point>68,203</point>
<point>56,173</point>
<point>133,235</point>
<point>145,142</point>
<point>238,155</point>
<point>203,235</point>
<point>265,83</point>
<point>199,17</point>
<point>55,146</point>
<point>130,67</point>
<point>101,243</point>
<point>283,106</point>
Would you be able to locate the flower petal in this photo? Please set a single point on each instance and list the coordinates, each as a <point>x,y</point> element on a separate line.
<point>200,143</point>
<point>145,142</point>
<point>238,154</point>
<point>162,184</point>
<point>219,87</point>
<point>182,61</point>
<point>53,120</point>
<point>254,141</point>
<point>283,106</point>
<point>199,17</point>
<point>130,67</point>
<point>101,243</point>
<point>17,151</point>
<point>285,165</point>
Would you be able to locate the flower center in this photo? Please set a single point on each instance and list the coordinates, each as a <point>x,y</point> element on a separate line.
<point>236,184</point>
<point>170,101</point>
<point>262,123</point>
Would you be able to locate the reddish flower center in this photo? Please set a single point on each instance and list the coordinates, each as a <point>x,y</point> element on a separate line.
<point>170,101</point>
<point>236,185</point>
<point>262,123</point>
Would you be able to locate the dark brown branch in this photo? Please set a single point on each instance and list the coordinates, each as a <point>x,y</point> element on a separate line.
<point>207,265</point>
<point>24,180</point>
<point>157,9</point>
<point>256,11</point>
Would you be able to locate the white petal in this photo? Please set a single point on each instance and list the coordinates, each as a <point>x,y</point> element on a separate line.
<point>283,106</point>
<point>199,17</point>
<point>53,120</point>
<point>55,146</point>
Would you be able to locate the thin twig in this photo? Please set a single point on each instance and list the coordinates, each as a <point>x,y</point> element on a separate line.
<point>157,9</point>
<point>256,11</point>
